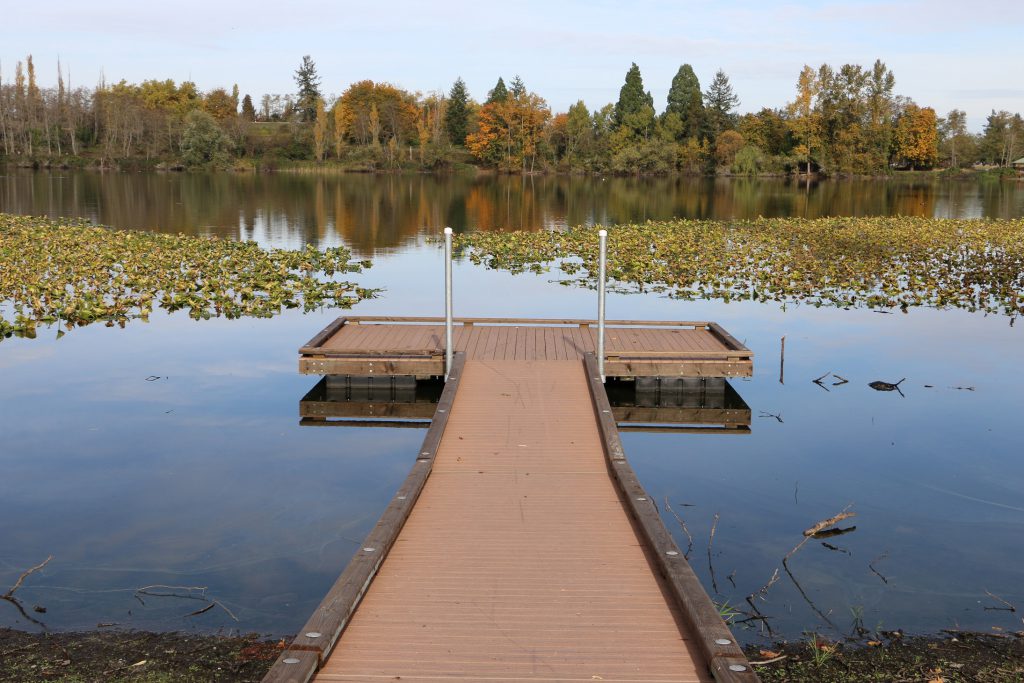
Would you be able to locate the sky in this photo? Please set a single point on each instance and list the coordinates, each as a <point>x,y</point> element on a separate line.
<point>944,54</point>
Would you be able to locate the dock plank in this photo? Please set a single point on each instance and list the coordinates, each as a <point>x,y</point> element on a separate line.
<point>518,562</point>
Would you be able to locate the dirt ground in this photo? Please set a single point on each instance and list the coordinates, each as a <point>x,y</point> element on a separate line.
<point>139,657</point>
<point>953,658</point>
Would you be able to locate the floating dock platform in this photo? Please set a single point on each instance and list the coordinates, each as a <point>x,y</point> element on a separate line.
<point>521,546</point>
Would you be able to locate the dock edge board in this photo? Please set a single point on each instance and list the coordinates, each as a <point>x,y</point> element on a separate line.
<point>725,658</point>
<point>317,638</point>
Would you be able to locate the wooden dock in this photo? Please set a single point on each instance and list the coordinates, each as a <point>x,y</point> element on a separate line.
<point>521,547</point>
<point>415,346</point>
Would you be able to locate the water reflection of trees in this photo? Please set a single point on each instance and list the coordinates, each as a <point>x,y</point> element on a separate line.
<point>372,213</point>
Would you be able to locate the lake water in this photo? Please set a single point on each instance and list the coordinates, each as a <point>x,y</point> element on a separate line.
<point>171,453</point>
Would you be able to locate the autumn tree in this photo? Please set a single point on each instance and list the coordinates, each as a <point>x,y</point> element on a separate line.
<point>203,143</point>
<point>220,105</point>
<point>511,131</point>
<point>1003,137</point>
<point>320,131</point>
<point>377,112</point>
<point>881,113</point>
<point>456,116</point>
<point>803,119</point>
<point>917,137</point>
<point>579,132</point>
<point>308,83</point>
<point>341,122</point>
<point>954,137</point>
<point>728,143</point>
<point>686,101</point>
<point>768,129</point>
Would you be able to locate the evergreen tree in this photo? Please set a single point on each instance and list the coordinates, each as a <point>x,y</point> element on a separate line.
<point>518,89</point>
<point>499,93</point>
<point>309,89</point>
<point>686,101</point>
<point>456,115</point>
<point>720,101</point>
<point>248,111</point>
<point>632,98</point>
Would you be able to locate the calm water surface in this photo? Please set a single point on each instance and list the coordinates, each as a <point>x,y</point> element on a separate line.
<point>203,477</point>
<point>384,213</point>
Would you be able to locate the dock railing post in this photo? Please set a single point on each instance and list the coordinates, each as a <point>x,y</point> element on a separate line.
<point>601,267</point>
<point>448,321</point>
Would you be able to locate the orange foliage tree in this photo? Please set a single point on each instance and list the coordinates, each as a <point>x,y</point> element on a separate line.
<point>379,110</point>
<point>917,136</point>
<point>510,132</point>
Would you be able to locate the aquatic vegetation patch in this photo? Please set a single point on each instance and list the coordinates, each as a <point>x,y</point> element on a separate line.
<point>73,273</point>
<point>877,262</point>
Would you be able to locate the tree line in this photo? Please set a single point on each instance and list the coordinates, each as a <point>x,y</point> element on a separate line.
<point>846,120</point>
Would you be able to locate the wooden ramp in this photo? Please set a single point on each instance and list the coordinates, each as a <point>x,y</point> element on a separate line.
<point>520,548</point>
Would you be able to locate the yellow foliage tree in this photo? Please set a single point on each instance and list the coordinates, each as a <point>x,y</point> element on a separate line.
<point>804,121</point>
<point>341,124</point>
<point>727,144</point>
<point>320,131</point>
<point>510,131</point>
<point>917,136</point>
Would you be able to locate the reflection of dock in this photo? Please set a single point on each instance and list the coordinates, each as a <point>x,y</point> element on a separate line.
<point>679,404</point>
<point>650,404</point>
<point>384,401</point>
<point>521,546</point>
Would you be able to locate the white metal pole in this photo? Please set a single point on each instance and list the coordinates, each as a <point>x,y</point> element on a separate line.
<point>602,265</point>
<point>448,322</point>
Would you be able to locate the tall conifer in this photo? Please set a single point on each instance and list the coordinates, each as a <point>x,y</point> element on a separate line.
<point>456,115</point>
<point>499,93</point>
<point>632,98</point>
<point>685,100</point>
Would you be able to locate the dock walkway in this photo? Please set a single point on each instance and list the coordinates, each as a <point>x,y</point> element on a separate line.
<point>521,547</point>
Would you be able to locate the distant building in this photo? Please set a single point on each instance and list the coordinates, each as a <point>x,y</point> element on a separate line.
<point>1019,164</point>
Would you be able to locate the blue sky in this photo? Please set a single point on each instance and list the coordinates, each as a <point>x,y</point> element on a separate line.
<point>945,54</point>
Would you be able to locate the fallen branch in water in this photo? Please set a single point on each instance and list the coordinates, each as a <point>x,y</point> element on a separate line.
<point>25,575</point>
<point>682,525</point>
<point>9,595</point>
<point>826,523</point>
<point>711,568</point>
<point>1008,608</point>
<point>875,571</point>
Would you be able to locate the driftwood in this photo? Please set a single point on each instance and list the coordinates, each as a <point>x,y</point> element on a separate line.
<point>682,525</point>
<point>25,575</point>
<point>9,595</point>
<point>826,523</point>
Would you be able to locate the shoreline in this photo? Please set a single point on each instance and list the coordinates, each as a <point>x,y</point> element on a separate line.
<point>123,655</point>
